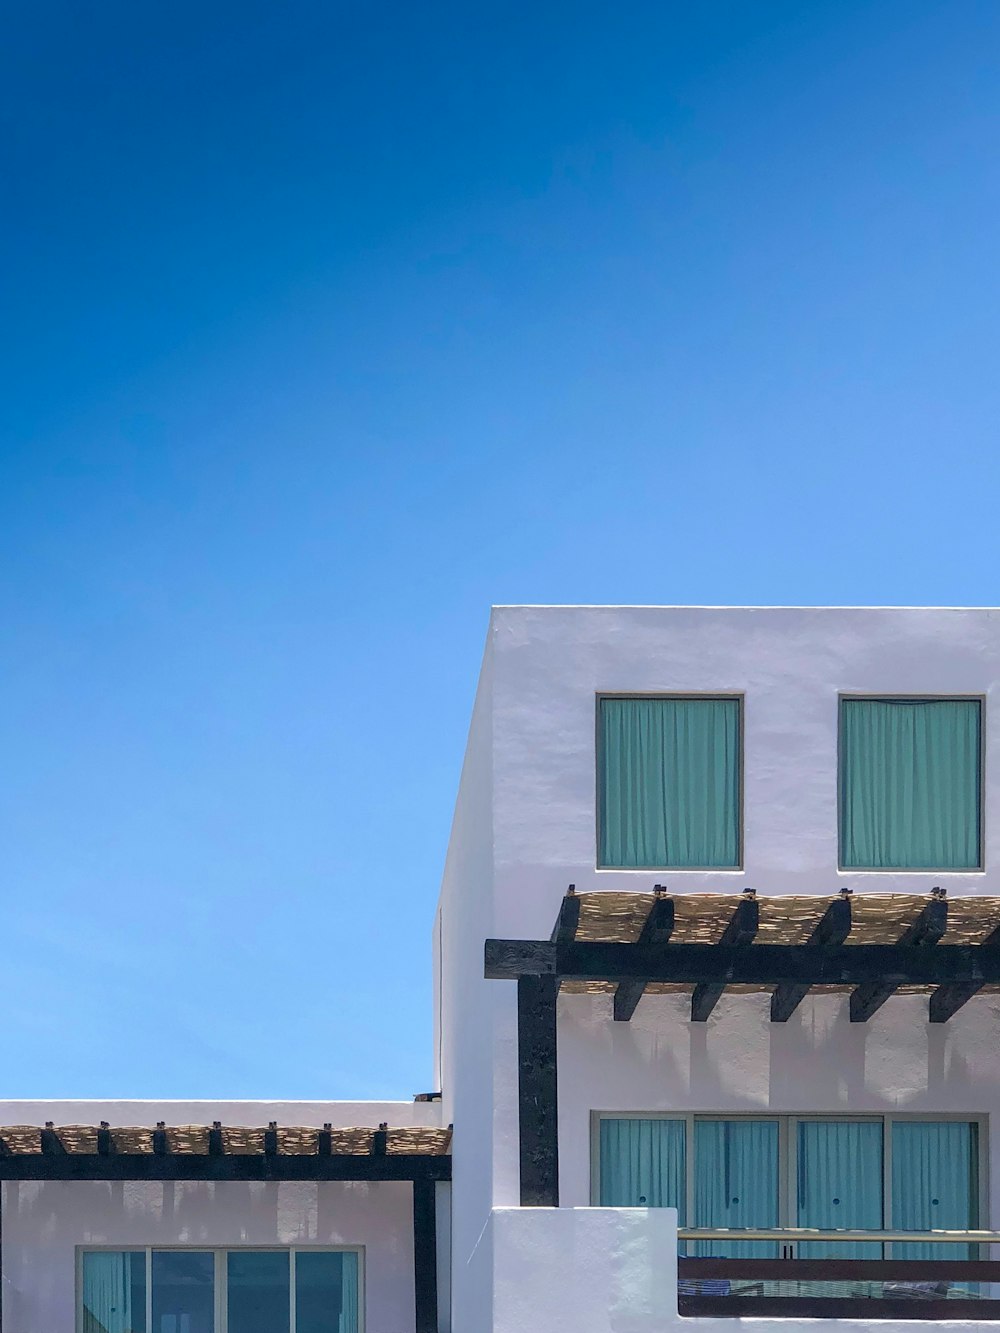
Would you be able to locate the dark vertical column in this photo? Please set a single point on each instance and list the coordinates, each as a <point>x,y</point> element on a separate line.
<point>425,1286</point>
<point>538,1090</point>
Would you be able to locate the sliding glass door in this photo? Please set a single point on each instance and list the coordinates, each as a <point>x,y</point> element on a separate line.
<point>736,1183</point>
<point>829,1173</point>
<point>838,1181</point>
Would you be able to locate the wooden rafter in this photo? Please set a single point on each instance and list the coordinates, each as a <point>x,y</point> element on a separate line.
<point>833,928</point>
<point>928,928</point>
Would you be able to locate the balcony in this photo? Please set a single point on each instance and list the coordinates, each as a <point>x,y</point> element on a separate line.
<point>802,1284</point>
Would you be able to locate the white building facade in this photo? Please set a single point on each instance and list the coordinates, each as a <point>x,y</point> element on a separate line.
<point>659,1050</point>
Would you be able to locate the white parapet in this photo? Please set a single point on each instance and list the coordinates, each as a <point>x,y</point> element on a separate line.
<point>589,1270</point>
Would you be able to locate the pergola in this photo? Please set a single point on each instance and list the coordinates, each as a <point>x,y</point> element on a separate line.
<point>629,944</point>
<point>221,1153</point>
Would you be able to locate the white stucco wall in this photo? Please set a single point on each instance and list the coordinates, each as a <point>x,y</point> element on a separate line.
<point>464,1018</point>
<point>45,1222</point>
<point>547,665</point>
<point>589,1270</point>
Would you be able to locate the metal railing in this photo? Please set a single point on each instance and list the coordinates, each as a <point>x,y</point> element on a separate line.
<point>933,1287</point>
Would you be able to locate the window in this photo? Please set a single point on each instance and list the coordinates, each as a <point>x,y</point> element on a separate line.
<point>669,782</point>
<point>910,784</point>
<point>834,1172</point>
<point>219,1291</point>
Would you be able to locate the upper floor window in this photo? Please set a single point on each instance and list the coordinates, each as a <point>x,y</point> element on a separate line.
<point>669,782</point>
<point>910,784</point>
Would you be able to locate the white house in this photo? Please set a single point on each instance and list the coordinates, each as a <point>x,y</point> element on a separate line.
<point>767,1006</point>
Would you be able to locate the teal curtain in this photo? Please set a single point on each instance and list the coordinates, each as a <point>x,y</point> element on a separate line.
<point>736,1183</point>
<point>326,1292</point>
<point>669,782</point>
<point>839,1185</point>
<point>114,1292</point>
<point>910,784</point>
<point>935,1183</point>
<point>643,1164</point>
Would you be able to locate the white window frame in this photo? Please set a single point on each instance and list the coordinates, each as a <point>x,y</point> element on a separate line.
<point>847,696</point>
<point>220,1279</point>
<point>788,1150</point>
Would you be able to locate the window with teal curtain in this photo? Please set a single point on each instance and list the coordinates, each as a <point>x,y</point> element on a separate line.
<point>736,1183</point>
<point>910,784</point>
<point>935,1183</point>
<point>326,1292</point>
<point>643,1164</point>
<point>839,1183</point>
<point>669,782</point>
<point>114,1292</point>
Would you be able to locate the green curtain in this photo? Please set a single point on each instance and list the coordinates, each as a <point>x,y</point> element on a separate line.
<point>910,784</point>
<point>839,1184</point>
<point>935,1183</point>
<point>736,1183</point>
<point>669,782</point>
<point>643,1164</point>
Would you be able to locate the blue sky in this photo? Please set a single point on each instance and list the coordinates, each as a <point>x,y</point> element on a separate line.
<point>328,325</point>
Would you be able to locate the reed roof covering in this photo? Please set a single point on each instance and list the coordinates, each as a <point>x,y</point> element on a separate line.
<point>196,1140</point>
<point>701,918</point>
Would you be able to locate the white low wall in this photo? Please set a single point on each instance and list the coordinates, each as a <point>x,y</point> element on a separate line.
<point>584,1270</point>
<point>45,1222</point>
<point>614,1270</point>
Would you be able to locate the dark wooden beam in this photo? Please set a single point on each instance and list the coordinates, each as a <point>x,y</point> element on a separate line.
<point>105,1143</point>
<point>51,1142</point>
<point>656,929</point>
<point>380,1141</point>
<point>568,919</point>
<point>741,931</point>
<point>216,1146</point>
<point>928,928</point>
<point>538,1103</point>
<point>271,1139</point>
<point>841,1270</point>
<point>324,1143</point>
<point>224,1166</point>
<point>863,1308</point>
<point>833,928</point>
<point>425,1286</point>
<point>161,1145</point>
<point>947,1000</point>
<point>761,965</point>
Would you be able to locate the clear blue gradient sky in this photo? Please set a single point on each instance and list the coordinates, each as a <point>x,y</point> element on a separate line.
<point>327,325</point>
